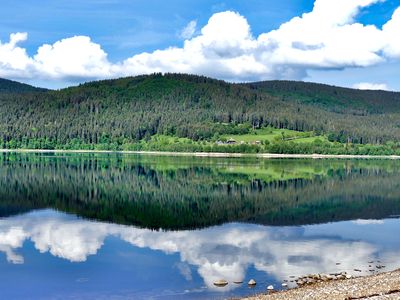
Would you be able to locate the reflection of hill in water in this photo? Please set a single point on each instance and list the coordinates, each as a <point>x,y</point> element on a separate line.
<point>190,193</point>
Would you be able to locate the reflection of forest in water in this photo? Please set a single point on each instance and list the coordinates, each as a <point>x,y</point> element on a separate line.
<point>178,193</point>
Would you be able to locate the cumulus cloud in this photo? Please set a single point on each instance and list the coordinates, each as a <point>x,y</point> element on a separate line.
<point>370,86</point>
<point>189,30</point>
<point>328,37</point>
<point>391,31</point>
<point>73,57</point>
<point>14,61</point>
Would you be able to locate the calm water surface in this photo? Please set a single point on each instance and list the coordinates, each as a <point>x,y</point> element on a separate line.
<point>143,227</point>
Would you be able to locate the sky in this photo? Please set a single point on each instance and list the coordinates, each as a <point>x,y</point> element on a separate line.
<point>54,44</point>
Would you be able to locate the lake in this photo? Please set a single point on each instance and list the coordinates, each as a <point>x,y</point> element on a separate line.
<point>114,226</point>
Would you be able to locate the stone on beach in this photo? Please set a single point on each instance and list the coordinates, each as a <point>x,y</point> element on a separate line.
<point>220,283</point>
<point>252,282</point>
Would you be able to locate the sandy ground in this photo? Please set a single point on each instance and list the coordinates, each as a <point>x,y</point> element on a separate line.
<point>207,154</point>
<point>376,287</point>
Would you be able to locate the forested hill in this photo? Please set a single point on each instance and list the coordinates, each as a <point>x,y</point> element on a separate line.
<point>129,110</point>
<point>332,98</point>
<point>9,86</point>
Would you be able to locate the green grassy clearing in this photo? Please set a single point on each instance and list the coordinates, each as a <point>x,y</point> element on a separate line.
<point>273,134</point>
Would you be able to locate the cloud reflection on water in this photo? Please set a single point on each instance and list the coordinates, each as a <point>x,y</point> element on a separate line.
<point>226,251</point>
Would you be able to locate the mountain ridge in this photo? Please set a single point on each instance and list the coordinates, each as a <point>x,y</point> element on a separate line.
<point>318,93</point>
<point>11,86</point>
<point>133,109</point>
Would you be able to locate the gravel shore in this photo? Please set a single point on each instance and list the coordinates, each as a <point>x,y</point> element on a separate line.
<point>376,287</point>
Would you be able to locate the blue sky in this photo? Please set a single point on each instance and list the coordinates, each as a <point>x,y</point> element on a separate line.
<point>122,29</point>
<point>125,27</point>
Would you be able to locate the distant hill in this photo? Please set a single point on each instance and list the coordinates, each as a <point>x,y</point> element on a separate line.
<point>133,109</point>
<point>332,98</point>
<point>9,86</point>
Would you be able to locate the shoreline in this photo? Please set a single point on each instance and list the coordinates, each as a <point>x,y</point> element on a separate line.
<point>375,287</point>
<point>208,154</point>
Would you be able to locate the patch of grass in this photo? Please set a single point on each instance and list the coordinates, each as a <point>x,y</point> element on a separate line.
<point>272,134</point>
<point>166,139</point>
<point>312,139</point>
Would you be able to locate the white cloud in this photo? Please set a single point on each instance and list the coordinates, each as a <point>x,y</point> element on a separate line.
<point>73,57</point>
<point>371,86</point>
<point>392,31</point>
<point>189,30</point>
<point>14,61</point>
<point>224,49</point>
<point>328,37</point>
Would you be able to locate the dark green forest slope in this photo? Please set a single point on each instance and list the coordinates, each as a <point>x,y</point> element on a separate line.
<point>332,98</point>
<point>129,110</point>
<point>9,86</point>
